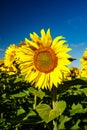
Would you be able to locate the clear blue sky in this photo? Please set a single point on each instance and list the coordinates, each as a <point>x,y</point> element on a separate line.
<point>18,18</point>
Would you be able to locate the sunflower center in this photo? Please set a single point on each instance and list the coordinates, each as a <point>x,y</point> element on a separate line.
<point>45,59</point>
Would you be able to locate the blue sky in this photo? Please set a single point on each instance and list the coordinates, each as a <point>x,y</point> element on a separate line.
<point>18,18</point>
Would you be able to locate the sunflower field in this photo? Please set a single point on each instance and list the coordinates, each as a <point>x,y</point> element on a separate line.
<point>38,89</point>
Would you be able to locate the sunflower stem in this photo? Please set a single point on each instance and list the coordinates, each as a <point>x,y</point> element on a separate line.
<point>35,101</point>
<point>54,99</point>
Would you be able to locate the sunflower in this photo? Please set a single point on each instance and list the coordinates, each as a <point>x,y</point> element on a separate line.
<point>43,60</point>
<point>84,60</point>
<point>84,64</point>
<point>84,73</point>
<point>10,58</point>
<point>10,55</point>
<point>74,73</point>
<point>9,70</point>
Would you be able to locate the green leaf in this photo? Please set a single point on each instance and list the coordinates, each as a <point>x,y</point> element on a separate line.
<point>62,121</point>
<point>60,106</point>
<point>44,112</point>
<point>30,114</point>
<point>68,84</point>
<point>85,127</point>
<point>84,110</point>
<point>2,120</point>
<point>19,95</point>
<point>76,109</point>
<point>48,114</point>
<point>20,111</point>
<point>4,95</point>
<point>85,120</point>
<point>76,127</point>
<point>38,93</point>
<point>19,79</point>
<point>84,90</point>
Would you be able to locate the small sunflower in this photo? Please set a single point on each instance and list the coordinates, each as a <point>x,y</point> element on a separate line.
<point>9,58</point>
<point>84,73</point>
<point>74,73</point>
<point>84,60</point>
<point>9,70</point>
<point>43,60</point>
<point>84,64</point>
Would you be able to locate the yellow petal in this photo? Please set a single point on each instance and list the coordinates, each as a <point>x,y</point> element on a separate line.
<point>56,40</point>
<point>40,81</point>
<point>27,41</point>
<point>42,33</point>
<point>31,43</point>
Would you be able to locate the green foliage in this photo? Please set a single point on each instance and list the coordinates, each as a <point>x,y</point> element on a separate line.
<point>77,109</point>
<point>23,107</point>
<point>48,114</point>
<point>62,121</point>
<point>37,93</point>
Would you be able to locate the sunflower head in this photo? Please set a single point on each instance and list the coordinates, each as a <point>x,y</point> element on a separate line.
<point>9,58</point>
<point>43,60</point>
<point>84,73</point>
<point>84,60</point>
<point>9,70</point>
<point>73,73</point>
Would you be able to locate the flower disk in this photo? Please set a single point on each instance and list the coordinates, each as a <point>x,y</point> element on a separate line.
<point>43,60</point>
